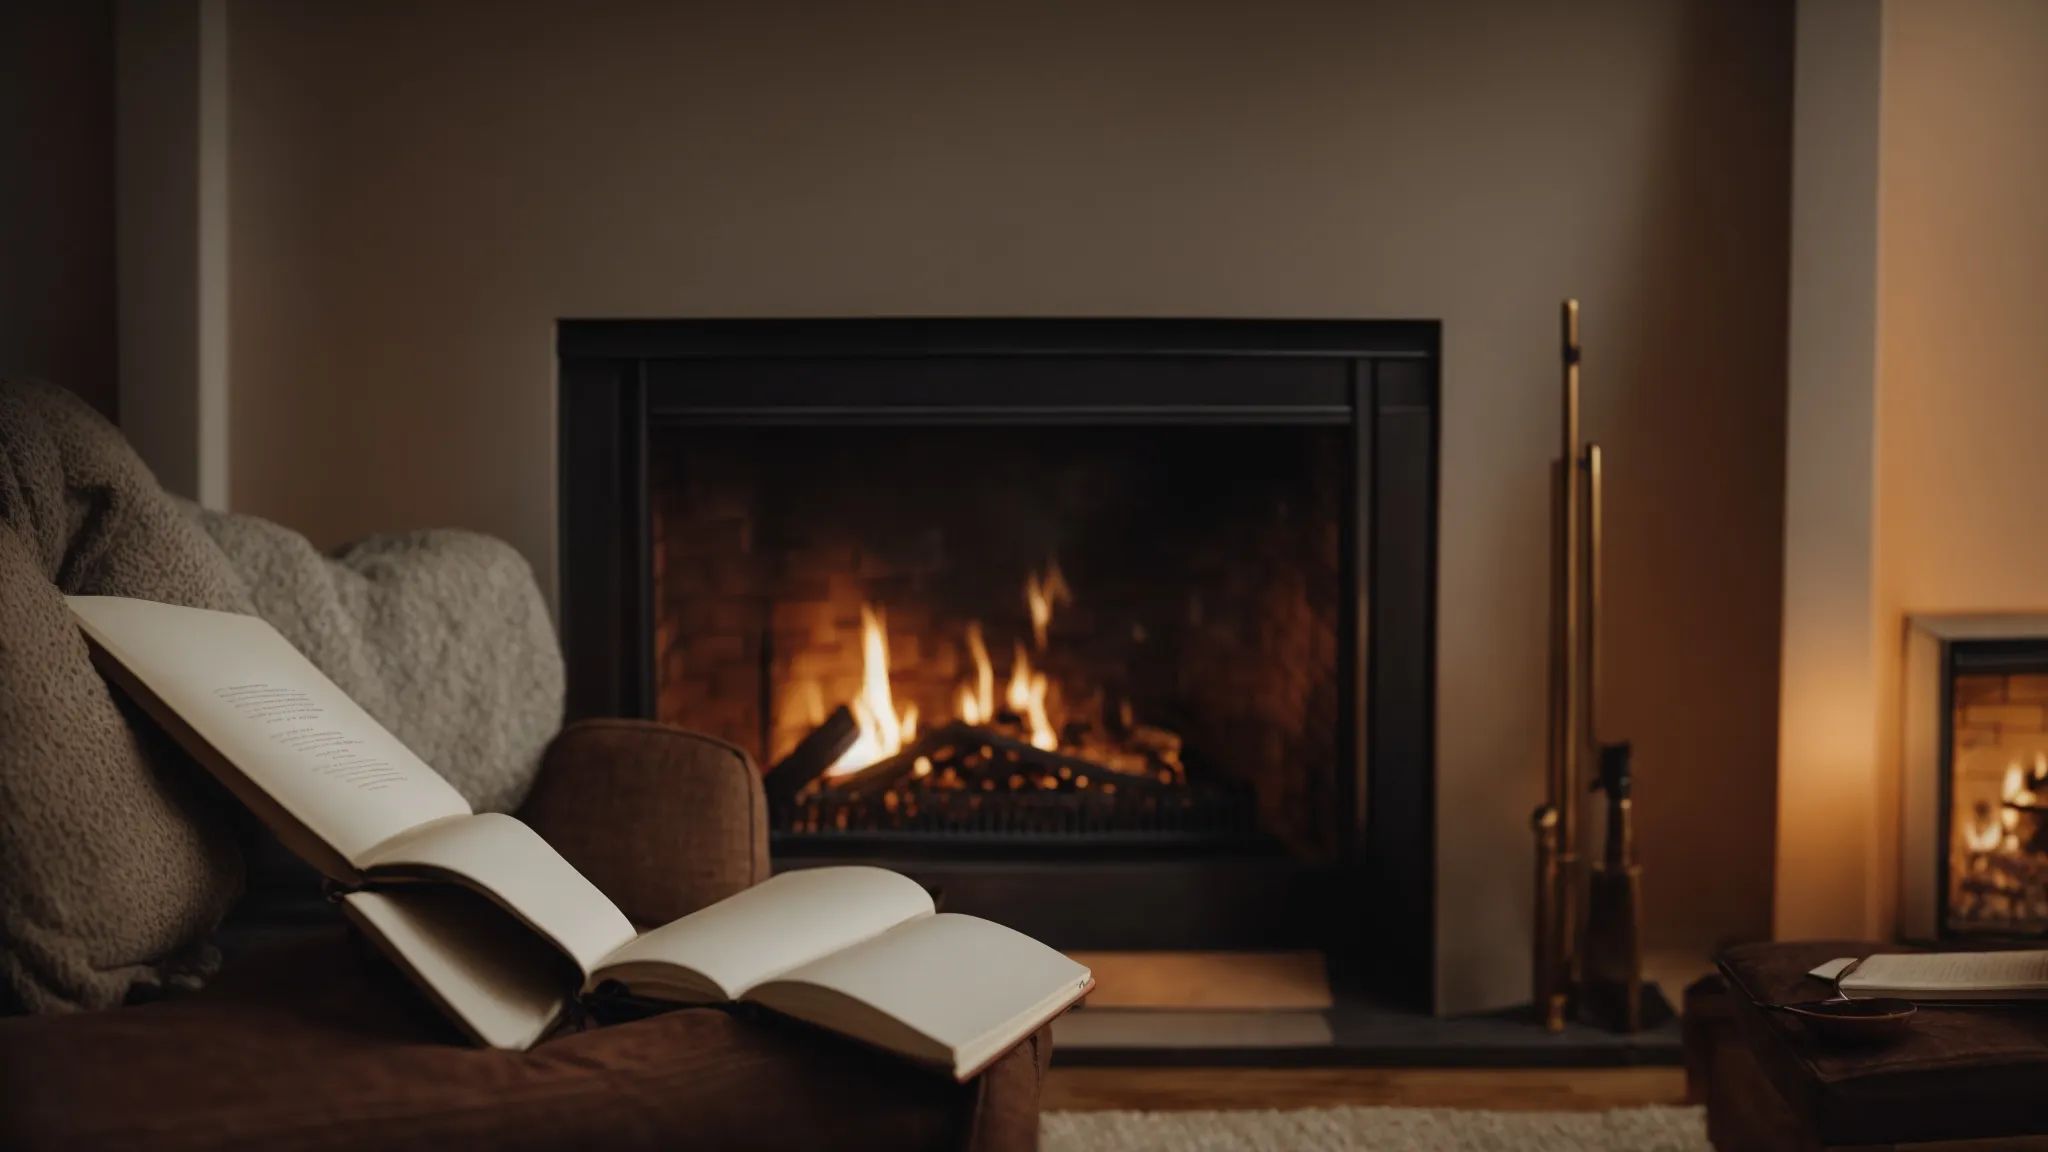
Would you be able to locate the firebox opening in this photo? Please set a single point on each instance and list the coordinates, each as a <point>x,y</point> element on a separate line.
<point>1997,858</point>
<point>1111,633</point>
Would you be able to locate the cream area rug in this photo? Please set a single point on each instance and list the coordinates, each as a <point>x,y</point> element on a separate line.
<point>1658,1129</point>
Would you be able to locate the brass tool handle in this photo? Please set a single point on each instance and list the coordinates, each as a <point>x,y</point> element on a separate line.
<point>1593,609</point>
<point>1553,967</point>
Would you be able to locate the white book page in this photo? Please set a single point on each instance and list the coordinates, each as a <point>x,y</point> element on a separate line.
<point>770,928</point>
<point>497,981</point>
<point>1834,968</point>
<point>1950,972</point>
<point>276,720</point>
<point>510,863</point>
<point>968,986</point>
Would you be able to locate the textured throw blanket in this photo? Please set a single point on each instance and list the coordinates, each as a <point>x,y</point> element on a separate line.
<point>118,856</point>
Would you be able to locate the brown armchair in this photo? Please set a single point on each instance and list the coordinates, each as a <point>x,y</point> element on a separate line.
<point>318,1044</point>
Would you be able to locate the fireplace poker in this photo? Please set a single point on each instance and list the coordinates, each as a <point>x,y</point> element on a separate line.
<point>1555,823</point>
<point>1600,954</point>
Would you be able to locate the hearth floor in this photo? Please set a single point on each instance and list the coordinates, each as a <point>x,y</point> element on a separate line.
<point>1278,1010</point>
<point>1212,981</point>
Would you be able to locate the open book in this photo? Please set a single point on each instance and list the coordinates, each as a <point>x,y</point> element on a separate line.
<point>1933,977</point>
<point>500,931</point>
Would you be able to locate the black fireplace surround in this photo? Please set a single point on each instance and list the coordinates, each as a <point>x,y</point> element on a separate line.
<point>1332,426</point>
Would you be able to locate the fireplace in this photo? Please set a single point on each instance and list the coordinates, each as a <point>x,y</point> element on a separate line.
<point>1974,820</point>
<point>1069,636</point>
<point>1121,632</point>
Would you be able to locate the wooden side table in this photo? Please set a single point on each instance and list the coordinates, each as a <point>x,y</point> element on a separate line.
<point>1959,1079</point>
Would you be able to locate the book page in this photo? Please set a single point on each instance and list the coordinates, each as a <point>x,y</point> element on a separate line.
<point>768,929</point>
<point>498,982</point>
<point>953,987</point>
<point>509,862</point>
<point>1834,968</point>
<point>268,717</point>
<point>1959,972</point>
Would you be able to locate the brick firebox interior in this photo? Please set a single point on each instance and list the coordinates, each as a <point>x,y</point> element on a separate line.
<point>1210,612</point>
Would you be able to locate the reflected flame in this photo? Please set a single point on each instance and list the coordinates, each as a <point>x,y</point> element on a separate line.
<point>1997,785</point>
<point>1041,594</point>
<point>882,732</point>
<point>1985,833</point>
<point>1995,830</point>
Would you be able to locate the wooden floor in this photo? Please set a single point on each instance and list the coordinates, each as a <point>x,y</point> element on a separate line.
<point>1499,1089</point>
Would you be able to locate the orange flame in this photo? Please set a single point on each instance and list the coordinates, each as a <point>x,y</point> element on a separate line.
<point>978,704</point>
<point>1995,829</point>
<point>1026,698</point>
<point>882,732</point>
<point>1041,594</point>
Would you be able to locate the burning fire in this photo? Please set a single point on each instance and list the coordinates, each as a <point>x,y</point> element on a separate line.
<point>883,733</point>
<point>978,704</point>
<point>1999,832</point>
<point>1027,699</point>
<point>1026,696</point>
<point>1041,595</point>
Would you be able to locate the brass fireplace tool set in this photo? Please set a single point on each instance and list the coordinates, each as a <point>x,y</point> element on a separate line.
<point>1592,972</point>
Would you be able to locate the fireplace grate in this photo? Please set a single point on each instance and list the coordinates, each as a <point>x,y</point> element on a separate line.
<point>1195,811</point>
<point>985,781</point>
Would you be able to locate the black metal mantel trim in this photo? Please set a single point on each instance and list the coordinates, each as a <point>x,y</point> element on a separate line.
<point>924,336</point>
<point>618,378</point>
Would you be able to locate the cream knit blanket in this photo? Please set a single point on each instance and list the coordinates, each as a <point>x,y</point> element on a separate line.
<point>118,856</point>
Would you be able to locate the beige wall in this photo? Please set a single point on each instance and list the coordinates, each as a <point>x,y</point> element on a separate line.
<point>1827,767</point>
<point>1950,386</point>
<point>1963,355</point>
<point>419,191</point>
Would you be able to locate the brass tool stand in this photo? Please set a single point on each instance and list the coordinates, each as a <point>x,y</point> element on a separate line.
<point>1611,959</point>
<point>1592,971</point>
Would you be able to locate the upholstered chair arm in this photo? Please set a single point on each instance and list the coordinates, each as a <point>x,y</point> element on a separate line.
<point>662,820</point>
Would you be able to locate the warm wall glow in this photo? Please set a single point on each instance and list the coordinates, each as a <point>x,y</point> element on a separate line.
<point>1827,791</point>
<point>1956,379</point>
<point>1828,810</point>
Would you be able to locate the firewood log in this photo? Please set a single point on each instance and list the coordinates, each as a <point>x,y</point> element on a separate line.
<point>812,756</point>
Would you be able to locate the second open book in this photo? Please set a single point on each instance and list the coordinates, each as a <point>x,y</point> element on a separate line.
<point>499,930</point>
